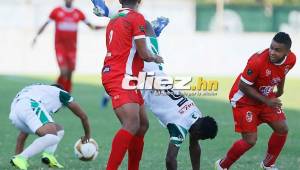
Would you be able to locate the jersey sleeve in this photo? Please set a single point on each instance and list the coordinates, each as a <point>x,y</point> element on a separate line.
<point>251,71</point>
<point>53,14</point>
<point>177,134</point>
<point>139,26</point>
<point>82,17</point>
<point>65,98</point>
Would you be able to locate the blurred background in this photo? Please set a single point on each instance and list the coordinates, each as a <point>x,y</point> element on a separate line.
<point>208,37</point>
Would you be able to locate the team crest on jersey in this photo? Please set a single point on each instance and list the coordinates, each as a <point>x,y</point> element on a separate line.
<point>249,116</point>
<point>268,72</point>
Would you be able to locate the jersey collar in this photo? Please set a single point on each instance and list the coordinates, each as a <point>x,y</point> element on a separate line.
<point>283,61</point>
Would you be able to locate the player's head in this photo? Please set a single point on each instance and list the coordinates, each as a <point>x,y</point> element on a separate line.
<point>130,3</point>
<point>204,128</point>
<point>280,47</point>
<point>68,3</point>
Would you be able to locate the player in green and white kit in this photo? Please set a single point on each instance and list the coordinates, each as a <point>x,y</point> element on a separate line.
<point>31,112</point>
<point>178,113</point>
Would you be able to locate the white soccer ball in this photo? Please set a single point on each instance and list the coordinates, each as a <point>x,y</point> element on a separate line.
<point>87,151</point>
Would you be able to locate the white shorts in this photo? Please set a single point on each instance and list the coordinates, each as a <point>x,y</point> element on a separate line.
<point>28,115</point>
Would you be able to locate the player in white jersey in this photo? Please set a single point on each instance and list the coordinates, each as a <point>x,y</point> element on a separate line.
<point>31,113</point>
<point>176,112</point>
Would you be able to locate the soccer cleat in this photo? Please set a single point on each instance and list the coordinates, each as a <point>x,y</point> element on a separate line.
<point>159,24</point>
<point>19,162</point>
<point>263,167</point>
<point>218,166</point>
<point>50,160</point>
<point>100,9</point>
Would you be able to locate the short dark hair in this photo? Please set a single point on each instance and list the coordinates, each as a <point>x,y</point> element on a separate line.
<point>283,38</point>
<point>205,128</point>
<point>129,2</point>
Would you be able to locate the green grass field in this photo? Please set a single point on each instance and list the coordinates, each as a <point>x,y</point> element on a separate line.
<point>87,91</point>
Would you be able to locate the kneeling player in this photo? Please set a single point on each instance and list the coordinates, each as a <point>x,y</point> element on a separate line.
<point>31,112</point>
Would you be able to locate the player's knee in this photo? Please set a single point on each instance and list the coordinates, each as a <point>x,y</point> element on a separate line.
<point>132,127</point>
<point>49,128</point>
<point>282,130</point>
<point>251,140</point>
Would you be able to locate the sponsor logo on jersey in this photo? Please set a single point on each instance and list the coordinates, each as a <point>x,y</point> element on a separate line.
<point>249,72</point>
<point>276,81</point>
<point>106,69</point>
<point>67,26</point>
<point>249,116</point>
<point>186,107</point>
<point>266,90</point>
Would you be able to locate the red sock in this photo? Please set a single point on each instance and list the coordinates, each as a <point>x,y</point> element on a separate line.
<point>66,84</point>
<point>120,145</point>
<point>235,152</point>
<point>135,152</point>
<point>276,143</point>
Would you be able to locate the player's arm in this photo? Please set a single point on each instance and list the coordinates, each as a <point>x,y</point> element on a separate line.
<point>280,88</point>
<point>21,142</point>
<point>76,109</point>
<point>252,93</point>
<point>195,153</point>
<point>40,31</point>
<point>91,26</point>
<point>171,158</point>
<point>145,53</point>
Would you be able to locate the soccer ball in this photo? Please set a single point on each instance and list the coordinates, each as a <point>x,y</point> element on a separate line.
<point>87,151</point>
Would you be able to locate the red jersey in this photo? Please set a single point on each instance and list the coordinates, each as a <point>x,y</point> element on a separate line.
<point>122,57</point>
<point>261,74</point>
<point>66,24</point>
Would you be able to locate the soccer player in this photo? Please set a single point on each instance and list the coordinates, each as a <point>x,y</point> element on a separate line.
<point>31,112</point>
<point>66,20</point>
<point>254,101</point>
<point>177,113</point>
<point>126,53</point>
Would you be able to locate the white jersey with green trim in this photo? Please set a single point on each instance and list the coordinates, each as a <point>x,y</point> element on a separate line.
<point>152,45</point>
<point>51,97</point>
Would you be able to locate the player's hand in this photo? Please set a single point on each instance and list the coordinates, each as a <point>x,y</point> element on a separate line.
<point>158,59</point>
<point>274,102</point>
<point>85,139</point>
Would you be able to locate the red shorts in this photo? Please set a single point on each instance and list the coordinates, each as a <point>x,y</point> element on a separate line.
<point>66,57</point>
<point>247,118</point>
<point>122,96</point>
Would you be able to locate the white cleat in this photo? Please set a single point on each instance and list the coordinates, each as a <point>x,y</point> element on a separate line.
<point>272,167</point>
<point>218,166</point>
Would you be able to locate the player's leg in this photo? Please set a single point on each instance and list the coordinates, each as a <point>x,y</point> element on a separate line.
<point>246,122</point>
<point>62,61</point>
<point>48,157</point>
<point>136,146</point>
<point>128,115</point>
<point>277,121</point>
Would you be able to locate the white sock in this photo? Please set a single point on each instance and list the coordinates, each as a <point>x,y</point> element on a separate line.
<point>39,145</point>
<point>52,149</point>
